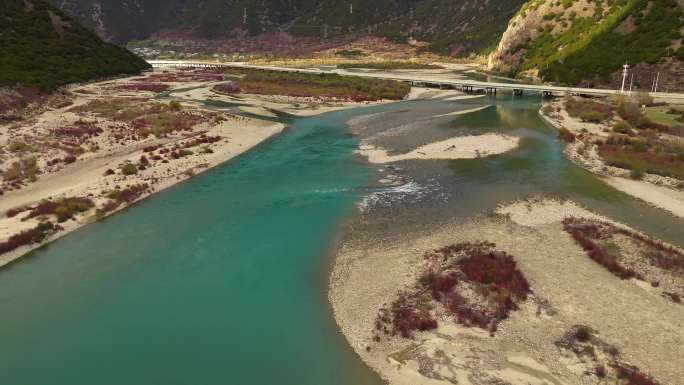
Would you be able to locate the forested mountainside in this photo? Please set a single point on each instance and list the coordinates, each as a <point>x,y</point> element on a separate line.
<point>44,48</point>
<point>586,42</point>
<point>450,27</point>
<point>454,27</point>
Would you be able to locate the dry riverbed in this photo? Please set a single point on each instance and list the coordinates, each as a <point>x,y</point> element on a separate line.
<point>418,311</point>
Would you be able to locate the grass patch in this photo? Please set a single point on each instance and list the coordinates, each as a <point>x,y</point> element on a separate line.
<point>662,115</point>
<point>391,65</point>
<point>321,85</point>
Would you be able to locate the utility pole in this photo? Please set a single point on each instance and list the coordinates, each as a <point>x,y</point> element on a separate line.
<point>625,72</point>
<point>351,8</point>
<point>244,16</point>
<point>655,89</point>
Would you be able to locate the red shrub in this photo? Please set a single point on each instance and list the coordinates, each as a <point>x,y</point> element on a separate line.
<point>69,159</point>
<point>149,87</point>
<point>440,285</point>
<point>79,131</point>
<point>407,320</point>
<point>633,376</point>
<point>492,275</point>
<point>11,213</point>
<point>600,371</point>
<point>585,232</point>
<point>566,135</point>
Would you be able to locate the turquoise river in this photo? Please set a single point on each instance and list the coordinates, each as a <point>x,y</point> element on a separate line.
<point>222,280</point>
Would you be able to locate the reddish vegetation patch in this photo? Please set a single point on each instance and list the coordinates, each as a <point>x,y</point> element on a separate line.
<point>407,319</point>
<point>79,130</point>
<point>184,77</point>
<point>587,234</point>
<point>11,213</point>
<point>144,87</point>
<point>202,139</point>
<point>475,283</point>
<point>609,366</point>
<point>567,135</point>
<point>591,235</point>
<point>28,237</point>
<point>632,376</point>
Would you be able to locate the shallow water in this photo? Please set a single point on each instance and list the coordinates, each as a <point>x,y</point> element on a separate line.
<point>447,190</point>
<point>222,280</point>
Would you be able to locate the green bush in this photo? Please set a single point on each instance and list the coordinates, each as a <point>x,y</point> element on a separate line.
<point>622,127</point>
<point>630,112</point>
<point>592,117</point>
<point>129,169</point>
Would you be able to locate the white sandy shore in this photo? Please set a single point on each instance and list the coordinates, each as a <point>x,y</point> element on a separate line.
<point>661,197</point>
<point>463,147</point>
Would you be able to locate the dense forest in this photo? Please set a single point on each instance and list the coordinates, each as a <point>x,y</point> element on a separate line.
<point>44,48</point>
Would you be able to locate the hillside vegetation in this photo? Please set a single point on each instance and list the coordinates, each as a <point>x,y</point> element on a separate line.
<point>588,42</point>
<point>43,48</point>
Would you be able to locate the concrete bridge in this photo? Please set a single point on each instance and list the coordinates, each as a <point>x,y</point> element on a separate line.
<point>427,81</point>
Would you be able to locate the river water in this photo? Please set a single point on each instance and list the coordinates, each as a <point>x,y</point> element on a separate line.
<point>222,280</point>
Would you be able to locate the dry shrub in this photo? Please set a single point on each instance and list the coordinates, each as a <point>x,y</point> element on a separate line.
<point>28,237</point>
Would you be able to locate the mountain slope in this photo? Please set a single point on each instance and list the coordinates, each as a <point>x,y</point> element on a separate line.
<point>44,48</point>
<point>448,26</point>
<point>587,42</point>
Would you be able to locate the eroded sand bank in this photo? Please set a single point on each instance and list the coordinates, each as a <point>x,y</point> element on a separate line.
<point>463,147</point>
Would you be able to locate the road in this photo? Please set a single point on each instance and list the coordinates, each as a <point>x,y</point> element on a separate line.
<point>427,80</point>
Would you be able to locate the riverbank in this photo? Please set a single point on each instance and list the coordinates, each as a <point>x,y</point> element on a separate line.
<point>663,192</point>
<point>529,346</point>
<point>117,142</point>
